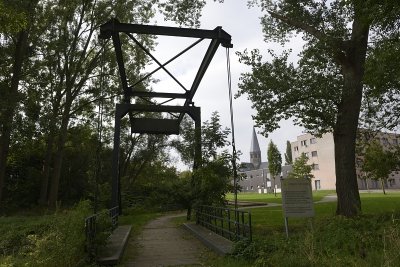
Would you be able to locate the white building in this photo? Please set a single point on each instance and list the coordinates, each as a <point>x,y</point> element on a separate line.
<point>321,154</point>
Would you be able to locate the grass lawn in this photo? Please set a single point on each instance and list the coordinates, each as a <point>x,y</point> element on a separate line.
<point>372,239</point>
<point>271,198</point>
<point>270,218</point>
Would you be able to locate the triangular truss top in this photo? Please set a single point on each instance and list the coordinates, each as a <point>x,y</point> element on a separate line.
<point>113,29</point>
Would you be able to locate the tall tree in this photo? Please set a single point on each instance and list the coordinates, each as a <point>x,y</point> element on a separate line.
<point>324,90</point>
<point>301,169</point>
<point>288,154</point>
<point>214,137</point>
<point>72,54</point>
<point>211,181</point>
<point>274,161</point>
<point>379,163</point>
<point>14,49</point>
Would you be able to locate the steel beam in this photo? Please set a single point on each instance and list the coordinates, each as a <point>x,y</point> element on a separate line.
<point>157,94</point>
<point>192,111</point>
<point>107,29</point>
<point>121,65</point>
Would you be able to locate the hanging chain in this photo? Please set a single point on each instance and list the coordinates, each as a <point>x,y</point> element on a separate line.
<point>99,128</point>
<point>235,178</point>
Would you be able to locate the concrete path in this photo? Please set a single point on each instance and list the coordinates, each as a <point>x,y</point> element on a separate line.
<point>162,243</point>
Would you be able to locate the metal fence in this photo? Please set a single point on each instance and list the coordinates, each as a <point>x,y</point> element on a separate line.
<point>92,227</point>
<point>229,223</point>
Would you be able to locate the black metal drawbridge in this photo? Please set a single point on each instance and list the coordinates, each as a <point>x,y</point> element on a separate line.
<point>113,29</point>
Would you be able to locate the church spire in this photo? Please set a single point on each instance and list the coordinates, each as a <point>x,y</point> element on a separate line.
<point>255,147</point>
<point>255,152</point>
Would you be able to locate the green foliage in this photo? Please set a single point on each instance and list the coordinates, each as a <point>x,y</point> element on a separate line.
<point>54,240</point>
<point>278,90</point>
<point>212,181</point>
<point>12,18</point>
<point>370,240</point>
<point>301,169</point>
<point>244,249</point>
<point>184,12</point>
<point>274,160</point>
<point>378,162</point>
<point>322,91</point>
<point>213,137</point>
<point>288,154</point>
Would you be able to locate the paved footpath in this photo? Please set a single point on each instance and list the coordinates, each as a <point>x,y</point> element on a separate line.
<point>163,243</point>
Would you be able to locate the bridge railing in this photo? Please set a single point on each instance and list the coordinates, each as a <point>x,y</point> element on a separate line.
<point>92,228</point>
<point>229,223</point>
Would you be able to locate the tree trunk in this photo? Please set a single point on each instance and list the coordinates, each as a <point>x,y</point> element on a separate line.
<point>46,170</point>
<point>8,110</point>
<point>345,130</point>
<point>348,203</point>
<point>383,187</point>
<point>62,136</point>
<point>189,213</point>
<point>44,189</point>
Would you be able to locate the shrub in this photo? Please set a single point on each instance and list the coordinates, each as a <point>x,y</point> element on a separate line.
<point>372,240</point>
<point>56,240</point>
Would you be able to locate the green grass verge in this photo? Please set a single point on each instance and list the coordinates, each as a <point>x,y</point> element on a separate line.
<point>49,240</point>
<point>372,239</point>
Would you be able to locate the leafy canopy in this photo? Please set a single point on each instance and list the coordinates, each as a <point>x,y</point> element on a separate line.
<point>288,154</point>
<point>274,160</point>
<point>378,162</point>
<point>301,169</point>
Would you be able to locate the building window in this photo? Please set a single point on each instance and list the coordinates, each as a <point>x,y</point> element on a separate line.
<point>251,187</point>
<point>313,141</point>
<point>306,154</point>
<point>303,143</point>
<point>395,142</point>
<point>315,167</point>
<point>296,148</point>
<point>385,141</point>
<point>314,154</point>
<point>317,184</point>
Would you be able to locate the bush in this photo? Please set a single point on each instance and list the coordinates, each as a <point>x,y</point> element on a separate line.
<point>57,241</point>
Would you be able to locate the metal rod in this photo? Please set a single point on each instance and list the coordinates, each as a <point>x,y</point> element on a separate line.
<point>169,61</point>
<point>158,62</point>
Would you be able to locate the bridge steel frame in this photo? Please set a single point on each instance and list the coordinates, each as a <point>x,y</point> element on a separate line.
<point>112,29</point>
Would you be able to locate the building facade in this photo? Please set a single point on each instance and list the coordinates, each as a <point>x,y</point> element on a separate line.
<point>321,154</point>
<point>255,176</point>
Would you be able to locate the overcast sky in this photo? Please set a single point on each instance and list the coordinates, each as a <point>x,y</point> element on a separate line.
<point>243,25</point>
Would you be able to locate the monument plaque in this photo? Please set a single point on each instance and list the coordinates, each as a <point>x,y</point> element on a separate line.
<point>297,199</point>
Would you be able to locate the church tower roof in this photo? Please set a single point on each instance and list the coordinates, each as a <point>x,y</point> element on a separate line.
<point>255,147</point>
